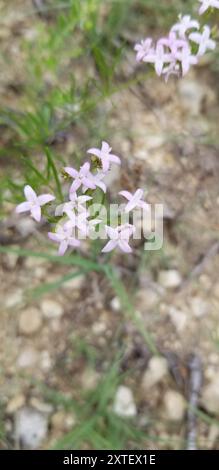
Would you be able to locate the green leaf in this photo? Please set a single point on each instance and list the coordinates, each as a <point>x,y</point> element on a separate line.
<point>71,260</point>
<point>52,167</point>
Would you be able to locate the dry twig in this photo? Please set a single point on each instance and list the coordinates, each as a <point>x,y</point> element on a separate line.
<point>194,387</point>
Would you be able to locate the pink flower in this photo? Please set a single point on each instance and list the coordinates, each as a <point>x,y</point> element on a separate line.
<point>63,236</point>
<point>159,58</point>
<point>172,43</point>
<point>203,40</point>
<point>97,180</point>
<point>76,202</point>
<point>83,177</point>
<point>105,155</point>
<point>207,4</point>
<point>77,220</point>
<point>81,222</point>
<point>135,200</point>
<point>143,48</point>
<point>185,23</point>
<point>186,58</point>
<point>33,203</point>
<point>119,237</point>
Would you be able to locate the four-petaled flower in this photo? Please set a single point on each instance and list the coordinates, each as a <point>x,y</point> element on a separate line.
<point>97,180</point>
<point>186,58</point>
<point>205,4</point>
<point>77,220</point>
<point>83,177</point>
<point>63,236</point>
<point>119,237</point>
<point>185,23</point>
<point>135,200</point>
<point>75,202</point>
<point>159,57</point>
<point>33,203</point>
<point>172,42</point>
<point>203,40</point>
<point>105,156</point>
<point>143,48</point>
<point>174,54</point>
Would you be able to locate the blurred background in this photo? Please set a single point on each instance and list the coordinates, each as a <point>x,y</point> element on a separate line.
<point>116,353</point>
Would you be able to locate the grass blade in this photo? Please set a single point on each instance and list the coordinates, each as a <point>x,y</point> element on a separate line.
<point>126,302</point>
<point>50,286</point>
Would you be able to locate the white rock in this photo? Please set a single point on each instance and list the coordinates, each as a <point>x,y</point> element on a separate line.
<point>74,284</point>
<point>170,278</point>
<point>216,290</point>
<point>192,95</point>
<point>45,361</point>
<point>115,304</point>
<point>174,405</point>
<point>30,428</point>
<point>25,225</point>
<point>147,299</point>
<point>199,306</point>
<point>11,259</point>
<point>45,408</point>
<point>40,272</point>
<point>63,420</point>
<point>124,404</point>
<point>15,403</point>
<point>156,371</point>
<point>178,318</point>
<point>33,263</point>
<point>15,298</point>
<point>51,309</point>
<point>210,396</point>
<point>27,358</point>
<point>99,328</point>
<point>30,321</point>
<point>89,379</point>
<point>155,141</point>
<point>213,436</point>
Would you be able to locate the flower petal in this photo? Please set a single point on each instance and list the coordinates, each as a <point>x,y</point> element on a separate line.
<point>126,194</point>
<point>36,213</point>
<point>59,210</point>
<point>85,169</point>
<point>112,232</point>
<point>109,246</point>
<point>88,183</point>
<point>102,186</point>
<point>95,152</point>
<point>63,247</point>
<point>105,164</point>
<point>115,159</point>
<point>30,194</point>
<point>124,246</point>
<point>71,171</point>
<point>83,199</point>
<point>73,242</point>
<point>75,185</point>
<point>54,237</point>
<point>23,207</point>
<point>45,198</point>
<point>105,147</point>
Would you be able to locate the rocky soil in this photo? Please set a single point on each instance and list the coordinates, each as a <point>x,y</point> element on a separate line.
<point>168,138</point>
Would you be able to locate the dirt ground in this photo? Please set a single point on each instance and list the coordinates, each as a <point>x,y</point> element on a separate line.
<point>167,136</point>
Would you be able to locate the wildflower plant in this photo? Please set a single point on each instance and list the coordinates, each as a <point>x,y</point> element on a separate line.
<point>84,212</point>
<point>80,216</point>
<point>187,41</point>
